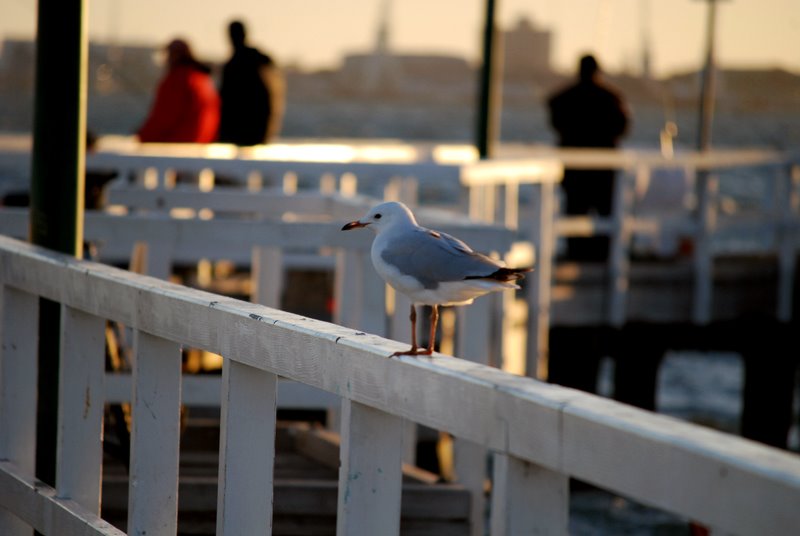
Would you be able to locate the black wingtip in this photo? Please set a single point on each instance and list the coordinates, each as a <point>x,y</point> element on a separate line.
<point>504,274</point>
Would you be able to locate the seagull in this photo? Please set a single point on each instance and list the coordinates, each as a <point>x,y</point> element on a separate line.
<point>430,267</point>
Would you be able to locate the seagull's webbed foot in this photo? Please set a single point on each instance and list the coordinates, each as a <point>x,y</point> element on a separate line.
<point>414,351</point>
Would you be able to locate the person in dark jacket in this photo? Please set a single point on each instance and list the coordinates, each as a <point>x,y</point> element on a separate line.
<point>186,105</point>
<point>252,93</point>
<point>588,113</point>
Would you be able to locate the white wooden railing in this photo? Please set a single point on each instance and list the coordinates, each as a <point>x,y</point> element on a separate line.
<point>493,193</point>
<point>539,434</point>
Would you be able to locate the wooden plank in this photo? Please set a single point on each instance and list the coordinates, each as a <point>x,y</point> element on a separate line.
<point>469,461</point>
<point>155,435</point>
<point>370,474</point>
<point>528,499</point>
<point>204,390</point>
<point>79,452</point>
<point>247,450</point>
<point>41,508</point>
<point>668,464</point>
<point>19,321</point>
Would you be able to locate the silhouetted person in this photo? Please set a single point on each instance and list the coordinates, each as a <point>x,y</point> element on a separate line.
<point>588,113</point>
<point>252,93</point>
<point>186,105</point>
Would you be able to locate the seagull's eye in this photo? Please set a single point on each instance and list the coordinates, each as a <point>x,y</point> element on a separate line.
<point>377,216</point>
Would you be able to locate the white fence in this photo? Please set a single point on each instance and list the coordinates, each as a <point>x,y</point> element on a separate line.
<point>772,229</point>
<point>539,434</point>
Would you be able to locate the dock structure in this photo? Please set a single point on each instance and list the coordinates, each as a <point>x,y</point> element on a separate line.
<point>253,210</point>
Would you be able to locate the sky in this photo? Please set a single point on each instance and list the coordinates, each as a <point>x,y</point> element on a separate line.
<point>316,33</point>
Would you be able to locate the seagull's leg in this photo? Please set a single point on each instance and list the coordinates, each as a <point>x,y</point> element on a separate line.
<point>413,318</point>
<point>434,322</point>
<point>414,349</point>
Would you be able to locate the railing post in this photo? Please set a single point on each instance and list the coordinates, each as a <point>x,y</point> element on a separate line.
<point>360,294</point>
<point>19,317</point>
<point>370,474</point>
<point>469,458</point>
<point>619,262</point>
<point>79,453</point>
<point>528,499</point>
<point>267,276</point>
<point>538,283</point>
<point>787,257</point>
<point>246,451</point>
<point>155,435</point>
<point>707,189</point>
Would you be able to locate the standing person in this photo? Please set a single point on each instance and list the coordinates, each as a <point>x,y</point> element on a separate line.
<point>186,106</point>
<point>588,113</point>
<point>252,93</point>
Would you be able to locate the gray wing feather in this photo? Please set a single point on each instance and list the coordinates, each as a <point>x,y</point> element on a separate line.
<point>434,257</point>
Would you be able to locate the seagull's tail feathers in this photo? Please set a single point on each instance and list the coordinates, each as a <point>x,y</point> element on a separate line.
<point>504,275</point>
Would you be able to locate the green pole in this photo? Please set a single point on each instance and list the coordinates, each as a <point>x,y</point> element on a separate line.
<point>57,183</point>
<point>488,111</point>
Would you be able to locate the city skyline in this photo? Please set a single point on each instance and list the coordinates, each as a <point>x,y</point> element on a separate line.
<point>750,33</point>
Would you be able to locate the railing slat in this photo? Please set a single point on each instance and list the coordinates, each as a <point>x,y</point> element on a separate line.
<point>153,489</point>
<point>267,276</point>
<point>474,343</point>
<point>80,410</point>
<point>46,512</point>
<point>247,450</point>
<point>370,475</point>
<point>528,499</point>
<point>19,321</point>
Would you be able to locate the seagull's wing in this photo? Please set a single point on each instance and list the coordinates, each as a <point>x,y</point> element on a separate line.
<point>433,257</point>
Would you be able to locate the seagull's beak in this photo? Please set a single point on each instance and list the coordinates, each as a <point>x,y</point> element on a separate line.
<point>353,225</point>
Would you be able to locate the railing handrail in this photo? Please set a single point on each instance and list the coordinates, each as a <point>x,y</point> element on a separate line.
<point>724,481</point>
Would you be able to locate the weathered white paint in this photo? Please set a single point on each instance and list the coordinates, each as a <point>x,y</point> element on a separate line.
<point>247,450</point>
<point>19,321</point>
<point>370,474</point>
<point>43,510</point>
<point>204,390</point>
<point>528,499</point>
<point>155,433</point>
<point>79,450</point>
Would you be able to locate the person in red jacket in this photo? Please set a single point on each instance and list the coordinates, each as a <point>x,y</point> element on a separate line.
<point>187,106</point>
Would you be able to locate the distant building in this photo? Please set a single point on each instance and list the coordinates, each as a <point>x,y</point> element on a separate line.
<point>526,52</point>
<point>123,68</point>
<point>112,68</point>
<point>383,73</point>
<point>17,61</point>
<point>410,74</point>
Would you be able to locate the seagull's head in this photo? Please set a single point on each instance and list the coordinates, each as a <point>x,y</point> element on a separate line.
<point>383,216</point>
